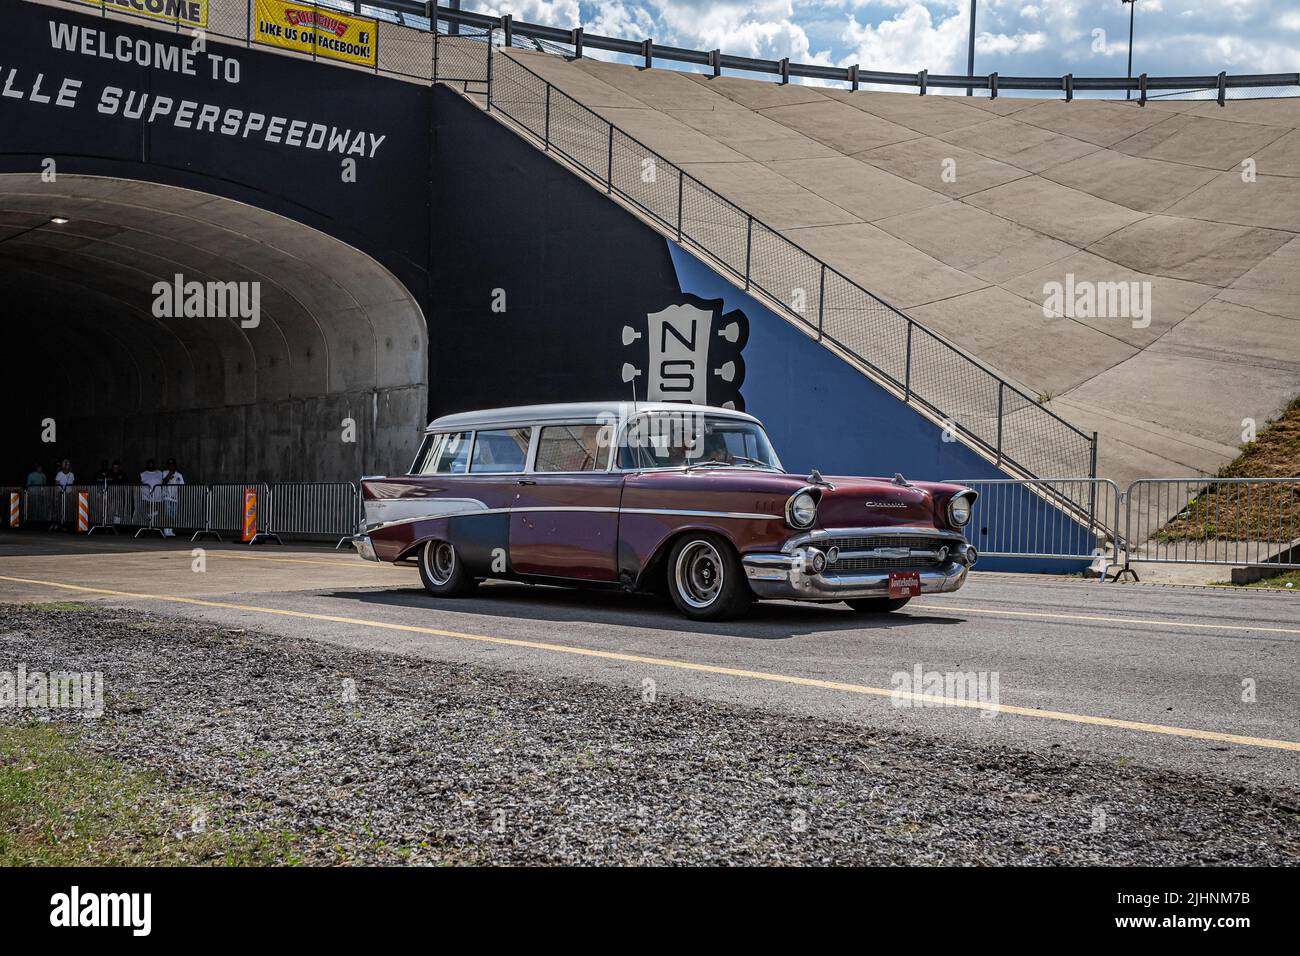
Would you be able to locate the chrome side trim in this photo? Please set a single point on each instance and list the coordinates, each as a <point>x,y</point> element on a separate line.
<point>383,512</point>
<point>582,508</point>
<point>701,514</point>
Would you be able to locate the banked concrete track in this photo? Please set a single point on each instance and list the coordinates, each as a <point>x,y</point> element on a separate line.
<point>964,211</point>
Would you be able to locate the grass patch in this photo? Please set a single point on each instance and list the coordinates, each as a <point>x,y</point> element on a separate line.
<point>1285,580</point>
<point>1243,513</point>
<point>72,607</point>
<point>63,805</point>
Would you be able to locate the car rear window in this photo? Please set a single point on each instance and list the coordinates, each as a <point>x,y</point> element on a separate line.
<point>572,447</point>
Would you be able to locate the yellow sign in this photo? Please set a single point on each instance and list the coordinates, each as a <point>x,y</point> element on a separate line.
<point>190,13</point>
<point>304,28</point>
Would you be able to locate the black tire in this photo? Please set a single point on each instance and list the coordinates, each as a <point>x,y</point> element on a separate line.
<point>442,572</point>
<point>876,605</point>
<point>706,580</point>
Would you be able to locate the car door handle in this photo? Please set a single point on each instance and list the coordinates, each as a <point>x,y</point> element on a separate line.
<point>525,481</point>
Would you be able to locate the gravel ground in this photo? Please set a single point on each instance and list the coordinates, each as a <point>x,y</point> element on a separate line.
<point>448,763</point>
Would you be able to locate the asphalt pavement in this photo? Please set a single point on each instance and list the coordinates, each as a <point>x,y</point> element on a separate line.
<point>1202,680</point>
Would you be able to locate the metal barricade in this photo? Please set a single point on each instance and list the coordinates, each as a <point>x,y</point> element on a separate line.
<point>1046,519</point>
<point>174,507</point>
<point>314,508</point>
<point>41,505</point>
<point>1248,522</point>
<point>225,511</point>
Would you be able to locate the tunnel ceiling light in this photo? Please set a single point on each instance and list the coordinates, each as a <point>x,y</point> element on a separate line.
<point>58,221</point>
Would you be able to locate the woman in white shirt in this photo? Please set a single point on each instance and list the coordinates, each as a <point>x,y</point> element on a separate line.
<point>171,480</point>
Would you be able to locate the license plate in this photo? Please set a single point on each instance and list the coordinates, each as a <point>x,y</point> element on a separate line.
<point>904,584</point>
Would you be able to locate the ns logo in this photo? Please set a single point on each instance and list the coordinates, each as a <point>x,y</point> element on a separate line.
<point>688,352</point>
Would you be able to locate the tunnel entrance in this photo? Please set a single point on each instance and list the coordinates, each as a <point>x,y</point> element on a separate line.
<point>107,359</point>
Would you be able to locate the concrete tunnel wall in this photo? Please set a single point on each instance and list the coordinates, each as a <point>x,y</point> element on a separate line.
<point>338,337</point>
<point>339,239</point>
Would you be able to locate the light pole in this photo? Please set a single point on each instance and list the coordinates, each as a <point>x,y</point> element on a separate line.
<point>1132,5</point>
<point>970,52</point>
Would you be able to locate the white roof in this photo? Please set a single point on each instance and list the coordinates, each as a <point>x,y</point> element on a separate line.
<point>568,412</point>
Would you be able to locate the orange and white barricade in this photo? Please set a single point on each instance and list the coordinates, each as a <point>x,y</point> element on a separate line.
<point>249,534</point>
<point>83,512</point>
<point>15,509</point>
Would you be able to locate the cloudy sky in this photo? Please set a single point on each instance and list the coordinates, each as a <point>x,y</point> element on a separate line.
<point>1038,37</point>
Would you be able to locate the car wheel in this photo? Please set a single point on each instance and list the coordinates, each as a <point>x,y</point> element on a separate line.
<point>706,580</point>
<point>876,605</point>
<point>442,572</point>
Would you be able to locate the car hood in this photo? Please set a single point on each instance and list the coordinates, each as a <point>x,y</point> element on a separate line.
<point>855,502</point>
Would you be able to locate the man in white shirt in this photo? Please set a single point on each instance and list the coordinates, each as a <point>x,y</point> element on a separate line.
<point>151,493</point>
<point>172,479</point>
<point>64,478</point>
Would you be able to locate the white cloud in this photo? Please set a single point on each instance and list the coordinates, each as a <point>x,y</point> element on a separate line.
<point>1042,37</point>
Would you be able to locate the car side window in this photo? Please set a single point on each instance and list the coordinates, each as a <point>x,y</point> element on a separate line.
<point>448,455</point>
<point>422,456</point>
<point>500,452</point>
<point>572,447</point>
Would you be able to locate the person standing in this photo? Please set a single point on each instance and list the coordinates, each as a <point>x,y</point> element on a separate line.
<point>171,481</point>
<point>37,478</point>
<point>65,479</point>
<point>151,493</point>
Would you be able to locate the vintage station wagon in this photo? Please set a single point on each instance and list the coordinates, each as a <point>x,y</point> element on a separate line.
<point>684,499</point>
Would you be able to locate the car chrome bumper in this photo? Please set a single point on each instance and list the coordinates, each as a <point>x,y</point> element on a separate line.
<point>365,547</point>
<point>791,577</point>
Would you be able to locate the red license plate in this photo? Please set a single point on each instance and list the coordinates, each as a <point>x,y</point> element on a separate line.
<point>904,584</point>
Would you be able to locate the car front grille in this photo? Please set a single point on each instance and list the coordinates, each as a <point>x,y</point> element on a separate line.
<point>851,563</point>
<point>883,541</point>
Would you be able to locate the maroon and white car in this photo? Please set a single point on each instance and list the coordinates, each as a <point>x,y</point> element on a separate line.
<point>684,499</point>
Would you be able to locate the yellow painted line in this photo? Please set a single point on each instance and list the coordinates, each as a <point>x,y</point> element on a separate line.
<point>1052,615</point>
<point>1210,735</point>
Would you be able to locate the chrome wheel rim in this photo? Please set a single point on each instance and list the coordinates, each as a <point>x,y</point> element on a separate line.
<point>439,561</point>
<point>699,574</point>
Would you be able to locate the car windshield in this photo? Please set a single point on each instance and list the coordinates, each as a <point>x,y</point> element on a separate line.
<point>691,439</point>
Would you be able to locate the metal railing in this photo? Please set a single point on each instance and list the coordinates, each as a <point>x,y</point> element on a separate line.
<point>646,51</point>
<point>1229,521</point>
<point>1047,518</point>
<point>395,55</point>
<point>925,369</point>
<point>1226,522</point>
<point>329,510</point>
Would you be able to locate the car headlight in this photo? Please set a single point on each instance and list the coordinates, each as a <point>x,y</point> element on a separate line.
<point>959,510</point>
<point>801,510</point>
